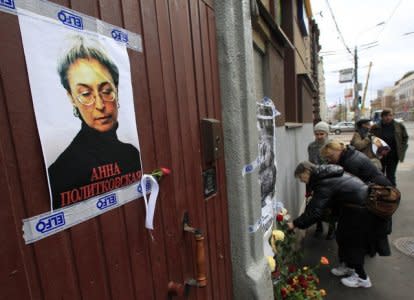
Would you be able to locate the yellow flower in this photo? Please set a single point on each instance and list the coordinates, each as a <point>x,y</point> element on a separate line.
<point>305,268</point>
<point>273,244</point>
<point>272,263</point>
<point>323,292</point>
<point>324,260</point>
<point>278,235</point>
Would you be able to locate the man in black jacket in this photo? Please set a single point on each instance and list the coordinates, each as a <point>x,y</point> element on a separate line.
<point>395,135</point>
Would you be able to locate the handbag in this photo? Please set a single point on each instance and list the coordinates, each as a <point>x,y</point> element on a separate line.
<point>383,201</point>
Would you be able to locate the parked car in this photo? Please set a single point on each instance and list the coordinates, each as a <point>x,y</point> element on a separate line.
<point>342,127</point>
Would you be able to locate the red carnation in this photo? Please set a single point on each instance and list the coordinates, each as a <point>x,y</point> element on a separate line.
<point>283,291</point>
<point>279,217</point>
<point>165,171</point>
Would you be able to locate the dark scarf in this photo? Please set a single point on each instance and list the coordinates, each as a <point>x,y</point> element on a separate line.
<point>388,135</point>
<point>363,132</point>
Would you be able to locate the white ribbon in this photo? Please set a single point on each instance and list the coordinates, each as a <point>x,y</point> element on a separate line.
<point>149,185</point>
<point>46,224</point>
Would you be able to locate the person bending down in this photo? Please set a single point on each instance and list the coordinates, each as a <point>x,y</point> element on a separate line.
<point>333,188</point>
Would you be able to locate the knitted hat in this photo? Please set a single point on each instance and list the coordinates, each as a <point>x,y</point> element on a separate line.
<point>321,126</point>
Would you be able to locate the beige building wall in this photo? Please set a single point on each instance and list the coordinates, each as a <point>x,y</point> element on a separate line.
<point>302,44</point>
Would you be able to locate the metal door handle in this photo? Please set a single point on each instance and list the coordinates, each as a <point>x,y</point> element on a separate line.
<point>178,289</point>
<point>201,278</point>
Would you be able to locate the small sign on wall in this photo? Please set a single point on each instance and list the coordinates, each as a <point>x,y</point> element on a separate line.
<point>209,182</point>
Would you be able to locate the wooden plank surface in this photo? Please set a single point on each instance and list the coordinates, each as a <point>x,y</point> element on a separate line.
<point>172,226</point>
<point>14,270</point>
<point>113,256</point>
<point>212,219</point>
<point>53,258</point>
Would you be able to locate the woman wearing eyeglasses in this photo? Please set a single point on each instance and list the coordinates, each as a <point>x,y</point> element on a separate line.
<point>95,162</point>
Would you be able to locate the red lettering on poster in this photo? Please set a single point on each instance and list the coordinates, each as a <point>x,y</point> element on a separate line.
<point>100,187</point>
<point>105,171</point>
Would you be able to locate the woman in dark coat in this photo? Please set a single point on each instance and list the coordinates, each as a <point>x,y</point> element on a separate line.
<point>358,164</point>
<point>353,162</point>
<point>332,188</point>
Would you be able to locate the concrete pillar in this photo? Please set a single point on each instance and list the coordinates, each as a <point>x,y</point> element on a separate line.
<point>251,275</point>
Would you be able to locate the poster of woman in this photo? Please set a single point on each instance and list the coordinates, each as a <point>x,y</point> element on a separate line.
<point>83,102</point>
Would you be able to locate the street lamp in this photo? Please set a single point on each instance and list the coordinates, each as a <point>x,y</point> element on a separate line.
<point>356,85</point>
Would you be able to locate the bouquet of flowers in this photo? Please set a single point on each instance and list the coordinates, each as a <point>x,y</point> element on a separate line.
<point>292,282</point>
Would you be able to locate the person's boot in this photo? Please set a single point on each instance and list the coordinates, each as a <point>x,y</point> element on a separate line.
<point>319,229</point>
<point>331,232</point>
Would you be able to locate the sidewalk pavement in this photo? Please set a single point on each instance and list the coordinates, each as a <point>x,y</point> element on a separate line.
<point>392,277</point>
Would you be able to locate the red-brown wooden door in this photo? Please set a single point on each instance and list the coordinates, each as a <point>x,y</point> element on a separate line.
<point>113,256</point>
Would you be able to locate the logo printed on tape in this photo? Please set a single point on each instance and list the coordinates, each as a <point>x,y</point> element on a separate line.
<point>249,168</point>
<point>147,185</point>
<point>51,222</point>
<point>8,4</point>
<point>107,201</point>
<point>119,35</point>
<point>70,19</point>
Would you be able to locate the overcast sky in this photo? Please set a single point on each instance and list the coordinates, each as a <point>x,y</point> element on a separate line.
<point>358,21</point>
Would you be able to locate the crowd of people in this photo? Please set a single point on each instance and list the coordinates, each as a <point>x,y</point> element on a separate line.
<point>338,178</point>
